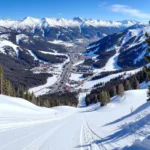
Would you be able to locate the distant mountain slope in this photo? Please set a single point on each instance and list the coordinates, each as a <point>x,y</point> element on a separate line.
<point>19,53</point>
<point>29,36</point>
<point>129,46</point>
<point>64,29</point>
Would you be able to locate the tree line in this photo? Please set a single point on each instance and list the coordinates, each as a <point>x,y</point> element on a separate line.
<point>105,74</point>
<point>6,88</point>
<point>57,99</point>
<point>114,87</point>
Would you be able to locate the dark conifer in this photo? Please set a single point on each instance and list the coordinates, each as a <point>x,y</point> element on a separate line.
<point>1,79</point>
<point>120,89</point>
<point>108,97</point>
<point>127,85</point>
<point>112,91</point>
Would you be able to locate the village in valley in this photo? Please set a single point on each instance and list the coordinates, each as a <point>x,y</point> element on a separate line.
<point>72,80</point>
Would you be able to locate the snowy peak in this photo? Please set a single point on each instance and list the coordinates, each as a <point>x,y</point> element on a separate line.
<point>7,23</point>
<point>77,21</point>
<point>106,23</point>
<point>59,22</point>
<point>30,20</point>
<point>129,22</point>
<point>67,29</point>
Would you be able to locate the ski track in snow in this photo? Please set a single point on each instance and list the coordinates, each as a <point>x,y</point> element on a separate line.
<point>38,134</point>
<point>41,140</point>
<point>32,122</point>
<point>66,128</point>
<point>88,138</point>
<point>38,139</point>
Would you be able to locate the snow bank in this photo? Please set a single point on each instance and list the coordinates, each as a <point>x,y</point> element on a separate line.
<point>18,107</point>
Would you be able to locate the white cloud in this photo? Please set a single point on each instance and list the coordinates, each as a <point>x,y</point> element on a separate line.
<point>124,9</point>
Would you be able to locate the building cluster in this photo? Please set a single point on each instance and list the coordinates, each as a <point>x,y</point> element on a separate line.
<point>84,69</point>
<point>45,67</point>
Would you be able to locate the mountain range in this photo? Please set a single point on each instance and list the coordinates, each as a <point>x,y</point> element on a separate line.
<point>65,29</point>
<point>128,47</point>
<point>23,43</point>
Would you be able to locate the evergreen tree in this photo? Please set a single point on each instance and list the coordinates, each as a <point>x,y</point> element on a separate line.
<point>104,98</point>
<point>112,91</point>
<point>33,98</point>
<point>120,89</point>
<point>96,99</point>
<point>147,57</point>
<point>9,89</point>
<point>18,92</point>
<point>148,94</point>
<point>135,83</point>
<point>4,87</point>
<point>1,79</point>
<point>47,103</point>
<point>13,92</point>
<point>21,93</point>
<point>38,101</point>
<point>87,100</point>
<point>27,96</point>
<point>127,85</point>
<point>108,97</point>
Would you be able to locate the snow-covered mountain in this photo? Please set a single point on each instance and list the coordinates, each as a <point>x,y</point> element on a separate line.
<point>66,29</point>
<point>128,47</point>
<point>123,124</point>
<point>51,34</point>
<point>25,42</point>
<point>61,22</point>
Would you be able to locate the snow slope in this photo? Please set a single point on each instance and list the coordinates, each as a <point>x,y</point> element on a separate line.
<point>112,63</point>
<point>4,43</point>
<point>11,107</point>
<point>89,84</point>
<point>122,124</point>
<point>76,77</point>
<point>39,90</point>
<point>129,44</point>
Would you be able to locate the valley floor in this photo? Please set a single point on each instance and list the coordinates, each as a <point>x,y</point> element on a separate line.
<point>123,124</point>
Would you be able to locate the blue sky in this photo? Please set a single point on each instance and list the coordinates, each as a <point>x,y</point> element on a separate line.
<point>97,9</point>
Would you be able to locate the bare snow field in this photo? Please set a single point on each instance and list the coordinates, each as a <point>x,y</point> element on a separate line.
<point>122,124</point>
<point>43,89</point>
<point>76,77</point>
